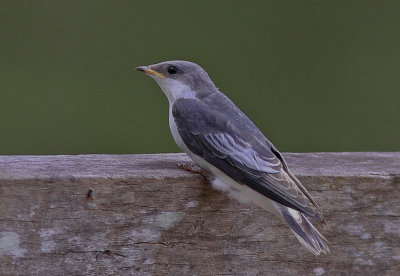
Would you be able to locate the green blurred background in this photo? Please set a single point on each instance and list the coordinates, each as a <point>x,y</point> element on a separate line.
<point>313,75</point>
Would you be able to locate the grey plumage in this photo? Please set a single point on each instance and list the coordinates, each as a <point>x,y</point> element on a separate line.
<point>217,134</point>
<point>240,150</point>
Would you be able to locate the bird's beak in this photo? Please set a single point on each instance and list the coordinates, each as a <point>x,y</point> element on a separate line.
<point>150,71</point>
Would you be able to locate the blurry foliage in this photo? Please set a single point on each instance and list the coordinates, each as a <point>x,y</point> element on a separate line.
<point>313,75</point>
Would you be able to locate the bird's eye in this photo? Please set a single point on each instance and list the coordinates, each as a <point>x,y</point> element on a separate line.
<point>172,70</point>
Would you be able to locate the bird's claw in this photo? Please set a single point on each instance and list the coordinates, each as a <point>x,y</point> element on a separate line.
<point>192,167</point>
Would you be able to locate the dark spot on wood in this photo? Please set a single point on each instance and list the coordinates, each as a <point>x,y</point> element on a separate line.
<point>90,194</point>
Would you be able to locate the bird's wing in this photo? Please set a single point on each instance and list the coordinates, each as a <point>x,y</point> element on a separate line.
<point>231,147</point>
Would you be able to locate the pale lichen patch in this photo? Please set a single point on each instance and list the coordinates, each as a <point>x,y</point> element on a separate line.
<point>46,233</point>
<point>146,235</point>
<point>356,230</point>
<point>47,245</point>
<point>165,220</point>
<point>319,271</point>
<point>9,244</point>
<point>192,204</point>
<point>154,225</point>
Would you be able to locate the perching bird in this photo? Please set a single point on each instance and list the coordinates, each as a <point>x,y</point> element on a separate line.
<point>227,145</point>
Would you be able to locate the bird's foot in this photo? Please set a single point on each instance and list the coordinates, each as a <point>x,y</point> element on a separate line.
<point>192,167</point>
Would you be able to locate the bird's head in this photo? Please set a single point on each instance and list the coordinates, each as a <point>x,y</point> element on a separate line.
<point>180,79</point>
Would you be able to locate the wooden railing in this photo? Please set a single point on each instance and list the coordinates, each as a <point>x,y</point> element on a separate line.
<point>142,215</point>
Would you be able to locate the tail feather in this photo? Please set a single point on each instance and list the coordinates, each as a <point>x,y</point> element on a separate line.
<point>304,231</point>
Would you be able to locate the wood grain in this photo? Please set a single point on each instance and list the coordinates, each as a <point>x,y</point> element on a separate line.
<point>141,215</point>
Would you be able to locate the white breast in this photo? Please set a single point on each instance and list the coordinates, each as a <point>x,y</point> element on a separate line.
<point>178,140</point>
<point>175,133</point>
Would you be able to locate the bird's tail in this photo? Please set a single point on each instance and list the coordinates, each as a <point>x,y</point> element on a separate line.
<point>304,231</point>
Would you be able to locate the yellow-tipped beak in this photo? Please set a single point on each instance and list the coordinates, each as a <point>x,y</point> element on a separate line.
<point>150,71</point>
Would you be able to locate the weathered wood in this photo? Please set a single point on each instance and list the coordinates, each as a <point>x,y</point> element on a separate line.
<point>141,215</point>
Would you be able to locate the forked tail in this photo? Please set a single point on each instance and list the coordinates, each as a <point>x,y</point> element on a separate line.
<point>304,231</point>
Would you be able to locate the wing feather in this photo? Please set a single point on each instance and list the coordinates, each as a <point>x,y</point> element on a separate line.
<point>234,147</point>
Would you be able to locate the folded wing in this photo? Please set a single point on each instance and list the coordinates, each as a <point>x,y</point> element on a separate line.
<point>238,149</point>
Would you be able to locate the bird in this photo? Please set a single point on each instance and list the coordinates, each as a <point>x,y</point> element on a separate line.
<point>229,148</point>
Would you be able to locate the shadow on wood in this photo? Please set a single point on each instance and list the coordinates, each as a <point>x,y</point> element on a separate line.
<point>141,215</point>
